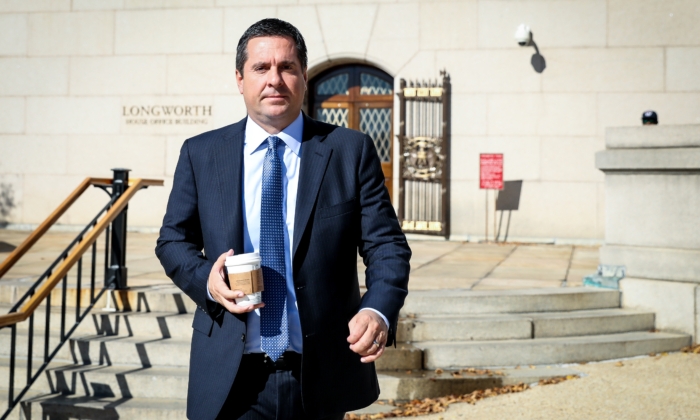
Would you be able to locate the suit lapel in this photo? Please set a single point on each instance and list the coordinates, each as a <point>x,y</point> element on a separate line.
<point>229,169</point>
<point>314,159</point>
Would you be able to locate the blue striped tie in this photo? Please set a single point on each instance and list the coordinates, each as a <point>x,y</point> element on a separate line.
<point>274,329</point>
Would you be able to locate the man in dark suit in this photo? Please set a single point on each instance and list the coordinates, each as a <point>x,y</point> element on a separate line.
<point>307,196</point>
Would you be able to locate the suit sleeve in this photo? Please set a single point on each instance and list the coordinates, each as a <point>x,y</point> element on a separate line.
<point>382,244</point>
<point>179,247</point>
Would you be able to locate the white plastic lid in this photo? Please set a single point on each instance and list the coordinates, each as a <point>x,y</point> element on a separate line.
<point>243,259</point>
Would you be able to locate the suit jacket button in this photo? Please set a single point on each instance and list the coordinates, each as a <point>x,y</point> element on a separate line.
<point>243,338</point>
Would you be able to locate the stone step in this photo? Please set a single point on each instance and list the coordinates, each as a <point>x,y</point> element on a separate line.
<point>419,384</point>
<point>403,356</point>
<point>144,351</point>
<point>59,406</point>
<point>522,326</point>
<point>161,352</point>
<point>594,322</point>
<point>123,381</point>
<point>420,328</point>
<point>19,412</point>
<point>99,322</point>
<point>460,301</point>
<point>163,298</point>
<point>547,351</point>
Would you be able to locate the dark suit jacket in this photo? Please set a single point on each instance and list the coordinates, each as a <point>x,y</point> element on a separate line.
<point>342,206</point>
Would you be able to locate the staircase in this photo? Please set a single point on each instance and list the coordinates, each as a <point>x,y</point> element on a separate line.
<point>134,364</point>
<point>130,365</point>
<point>523,334</point>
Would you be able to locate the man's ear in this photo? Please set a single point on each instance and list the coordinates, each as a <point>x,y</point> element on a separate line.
<point>239,81</point>
<point>306,80</point>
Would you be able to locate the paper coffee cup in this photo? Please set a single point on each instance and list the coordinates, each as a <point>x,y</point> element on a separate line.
<point>245,274</point>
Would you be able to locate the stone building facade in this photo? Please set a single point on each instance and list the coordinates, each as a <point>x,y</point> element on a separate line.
<point>86,85</point>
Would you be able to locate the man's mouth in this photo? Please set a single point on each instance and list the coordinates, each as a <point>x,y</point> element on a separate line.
<point>275,97</point>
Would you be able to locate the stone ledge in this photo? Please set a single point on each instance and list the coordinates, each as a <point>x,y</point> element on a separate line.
<point>654,263</point>
<point>652,136</point>
<point>686,159</point>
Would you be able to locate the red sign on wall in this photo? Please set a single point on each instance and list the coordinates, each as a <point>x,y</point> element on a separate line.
<point>491,171</point>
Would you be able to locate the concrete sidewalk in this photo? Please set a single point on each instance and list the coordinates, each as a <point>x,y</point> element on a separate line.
<point>654,387</point>
<point>434,265</point>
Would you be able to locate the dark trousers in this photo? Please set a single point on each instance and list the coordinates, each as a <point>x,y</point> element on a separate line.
<point>263,392</point>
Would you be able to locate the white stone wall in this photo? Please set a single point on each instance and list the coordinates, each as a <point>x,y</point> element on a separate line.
<point>69,67</point>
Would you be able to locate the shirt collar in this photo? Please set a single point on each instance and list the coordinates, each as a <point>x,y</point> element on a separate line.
<point>255,135</point>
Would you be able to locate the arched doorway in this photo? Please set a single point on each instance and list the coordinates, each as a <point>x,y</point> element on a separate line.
<point>359,97</point>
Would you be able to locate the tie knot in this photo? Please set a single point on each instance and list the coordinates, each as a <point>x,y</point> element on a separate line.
<point>272,142</point>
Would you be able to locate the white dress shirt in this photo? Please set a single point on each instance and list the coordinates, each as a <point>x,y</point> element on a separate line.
<point>289,151</point>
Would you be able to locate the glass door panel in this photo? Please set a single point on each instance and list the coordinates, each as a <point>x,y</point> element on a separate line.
<point>339,114</point>
<point>376,123</point>
<point>375,120</point>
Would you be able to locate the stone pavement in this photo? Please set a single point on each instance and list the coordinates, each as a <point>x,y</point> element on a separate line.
<point>434,265</point>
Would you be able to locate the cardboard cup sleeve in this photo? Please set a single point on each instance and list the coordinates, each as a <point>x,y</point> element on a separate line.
<point>249,282</point>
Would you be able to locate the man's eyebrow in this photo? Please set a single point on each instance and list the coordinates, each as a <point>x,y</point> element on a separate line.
<point>259,64</point>
<point>281,63</point>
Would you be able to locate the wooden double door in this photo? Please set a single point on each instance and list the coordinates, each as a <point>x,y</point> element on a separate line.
<point>358,97</point>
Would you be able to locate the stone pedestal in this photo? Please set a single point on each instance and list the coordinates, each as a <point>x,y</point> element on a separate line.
<point>652,193</point>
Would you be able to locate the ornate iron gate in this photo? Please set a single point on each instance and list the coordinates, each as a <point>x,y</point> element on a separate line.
<point>424,138</point>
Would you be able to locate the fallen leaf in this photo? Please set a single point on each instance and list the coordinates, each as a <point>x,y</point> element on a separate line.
<point>557,379</point>
<point>426,406</point>
<point>619,364</point>
<point>439,371</point>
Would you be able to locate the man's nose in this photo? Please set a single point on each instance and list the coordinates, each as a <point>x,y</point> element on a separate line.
<point>274,77</point>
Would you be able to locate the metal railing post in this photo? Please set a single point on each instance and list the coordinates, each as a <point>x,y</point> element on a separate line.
<point>117,266</point>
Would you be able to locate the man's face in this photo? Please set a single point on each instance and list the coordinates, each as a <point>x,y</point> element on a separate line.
<point>273,82</point>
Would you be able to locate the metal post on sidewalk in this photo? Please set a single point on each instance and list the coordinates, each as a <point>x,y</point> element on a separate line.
<point>117,266</point>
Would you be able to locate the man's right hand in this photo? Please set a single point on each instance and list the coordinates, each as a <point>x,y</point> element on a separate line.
<point>220,291</point>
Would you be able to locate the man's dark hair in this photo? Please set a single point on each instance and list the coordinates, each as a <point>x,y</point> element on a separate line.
<point>270,27</point>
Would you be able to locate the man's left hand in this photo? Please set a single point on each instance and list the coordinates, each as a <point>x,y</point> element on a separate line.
<point>368,335</point>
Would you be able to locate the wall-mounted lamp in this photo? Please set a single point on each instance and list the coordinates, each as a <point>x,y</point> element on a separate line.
<point>523,35</point>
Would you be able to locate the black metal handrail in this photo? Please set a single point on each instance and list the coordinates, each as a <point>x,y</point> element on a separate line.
<point>112,273</point>
<point>64,254</point>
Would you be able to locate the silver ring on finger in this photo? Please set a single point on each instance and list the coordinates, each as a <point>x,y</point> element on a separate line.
<point>376,343</point>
